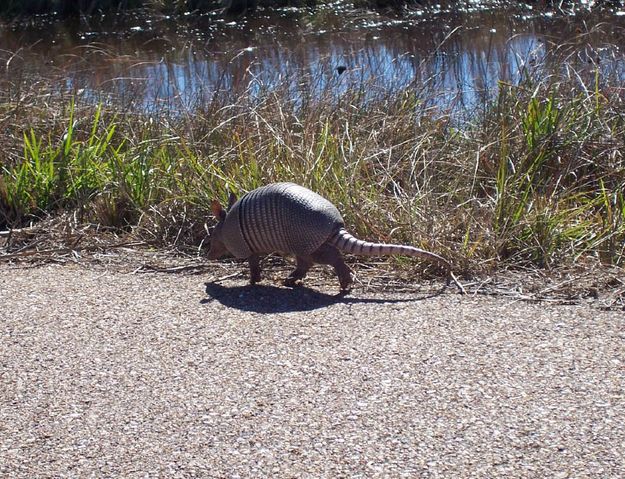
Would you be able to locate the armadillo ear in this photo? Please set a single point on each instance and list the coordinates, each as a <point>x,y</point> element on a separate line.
<point>217,210</point>
<point>232,199</point>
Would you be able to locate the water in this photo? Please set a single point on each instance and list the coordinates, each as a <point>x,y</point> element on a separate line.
<point>453,58</point>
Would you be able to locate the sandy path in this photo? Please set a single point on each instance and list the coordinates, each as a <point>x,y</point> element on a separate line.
<point>104,374</point>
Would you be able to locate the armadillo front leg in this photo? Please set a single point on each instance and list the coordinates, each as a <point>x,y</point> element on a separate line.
<point>254,262</point>
<point>303,265</point>
<point>328,254</point>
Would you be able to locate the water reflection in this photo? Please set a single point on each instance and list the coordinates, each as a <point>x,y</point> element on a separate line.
<point>453,59</point>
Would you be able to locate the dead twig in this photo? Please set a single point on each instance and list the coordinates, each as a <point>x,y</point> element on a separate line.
<point>453,278</point>
<point>198,268</point>
<point>223,278</point>
<point>67,249</point>
<point>29,230</point>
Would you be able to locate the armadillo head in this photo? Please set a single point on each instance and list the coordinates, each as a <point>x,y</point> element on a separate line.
<point>218,248</point>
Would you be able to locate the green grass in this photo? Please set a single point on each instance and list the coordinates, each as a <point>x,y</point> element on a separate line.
<point>535,179</point>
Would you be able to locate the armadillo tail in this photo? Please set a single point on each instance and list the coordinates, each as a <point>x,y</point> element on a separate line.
<point>349,244</point>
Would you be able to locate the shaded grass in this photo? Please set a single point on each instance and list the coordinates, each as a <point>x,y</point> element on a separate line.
<point>534,179</point>
<point>69,7</point>
<point>72,7</point>
<point>13,8</point>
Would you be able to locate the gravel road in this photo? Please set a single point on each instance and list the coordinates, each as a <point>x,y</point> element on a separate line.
<point>110,374</point>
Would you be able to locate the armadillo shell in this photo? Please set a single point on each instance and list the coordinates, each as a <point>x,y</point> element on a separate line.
<point>280,217</point>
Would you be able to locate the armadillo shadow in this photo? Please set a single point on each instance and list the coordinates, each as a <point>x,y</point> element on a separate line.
<point>273,299</point>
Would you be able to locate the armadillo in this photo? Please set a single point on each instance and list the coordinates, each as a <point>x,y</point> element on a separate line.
<point>290,219</point>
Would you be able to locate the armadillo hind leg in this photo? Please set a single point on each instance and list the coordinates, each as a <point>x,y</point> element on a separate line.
<point>328,254</point>
<point>303,265</point>
<point>254,262</point>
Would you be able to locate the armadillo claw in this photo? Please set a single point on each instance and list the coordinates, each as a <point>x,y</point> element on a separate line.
<point>291,282</point>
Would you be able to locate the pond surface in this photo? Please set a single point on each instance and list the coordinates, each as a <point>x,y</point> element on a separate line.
<point>453,58</point>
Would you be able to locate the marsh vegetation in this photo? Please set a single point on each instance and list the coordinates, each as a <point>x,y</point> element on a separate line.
<point>490,140</point>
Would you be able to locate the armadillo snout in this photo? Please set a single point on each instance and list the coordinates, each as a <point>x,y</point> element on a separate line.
<point>217,250</point>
